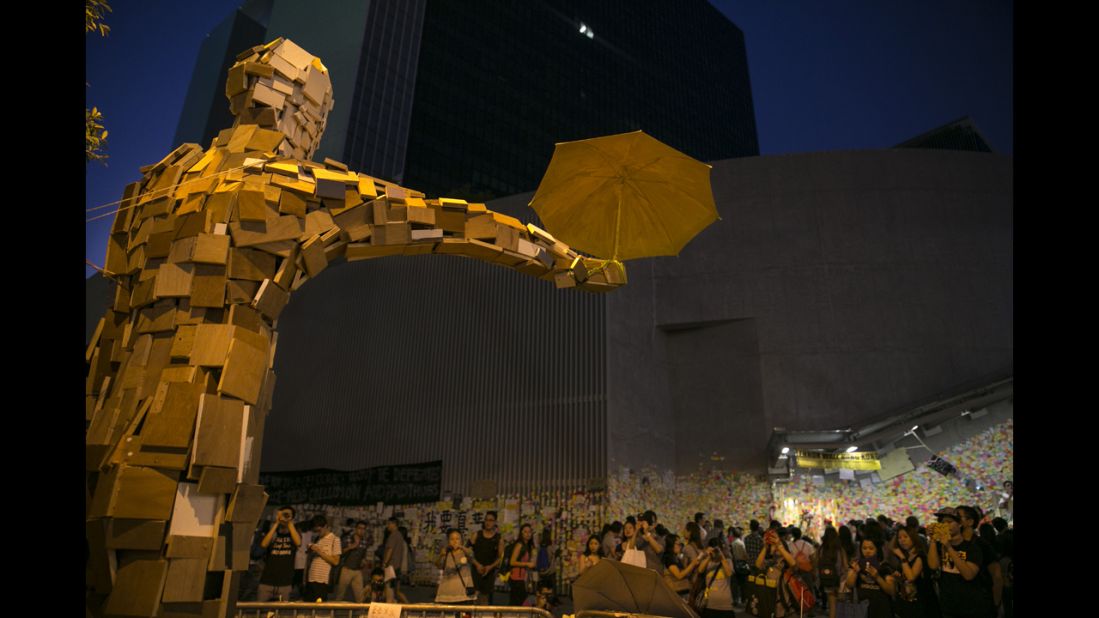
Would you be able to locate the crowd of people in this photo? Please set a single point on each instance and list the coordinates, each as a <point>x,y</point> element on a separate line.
<point>960,565</point>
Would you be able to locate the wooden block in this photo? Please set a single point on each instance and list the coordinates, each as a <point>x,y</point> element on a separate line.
<point>182,250</point>
<point>208,286</point>
<point>242,376</point>
<point>510,258</point>
<point>182,342</point>
<point>158,318</point>
<point>507,238</point>
<point>312,253</point>
<point>211,249</point>
<point>247,504</point>
<point>100,558</point>
<point>335,250</point>
<point>251,205</point>
<point>142,493</point>
<point>135,534</point>
<point>420,216</point>
<point>158,459</point>
<point>239,291</point>
<point>330,189</point>
<point>248,233</point>
<point>159,244</point>
<point>286,168</point>
<point>381,211</point>
<point>432,234</point>
<point>173,280</point>
<point>211,344</point>
<point>317,222</point>
<point>450,220</point>
<point>419,248</point>
<point>564,280</point>
<point>366,187</point>
<point>241,543</point>
<point>392,234</point>
<point>480,227</point>
<point>532,268</point>
<point>453,204</point>
<point>137,588</point>
<point>288,269</point>
<point>297,184</point>
<point>217,480</point>
<point>180,546</point>
<point>250,264</point>
<point>291,204</point>
<point>360,251</point>
<point>247,318</point>
<point>270,300</point>
<point>356,222</point>
<point>265,140</point>
<point>171,420</point>
<point>470,248</point>
<point>186,580</point>
<point>281,248</point>
<point>217,441</point>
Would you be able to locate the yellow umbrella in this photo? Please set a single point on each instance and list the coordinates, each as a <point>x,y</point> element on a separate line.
<point>624,196</point>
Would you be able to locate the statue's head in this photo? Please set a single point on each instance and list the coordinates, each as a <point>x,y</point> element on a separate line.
<point>282,87</point>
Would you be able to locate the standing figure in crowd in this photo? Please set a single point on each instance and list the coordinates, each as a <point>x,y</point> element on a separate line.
<point>916,593</point>
<point>352,564</point>
<point>324,554</point>
<point>692,539</point>
<point>628,540</point>
<point>772,560</point>
<point>546,563</point>
<point>870,578</point>
<point>990,578</point>
<point>959,562</point>
<point>753,543</point>
<point>612,536</point>
<point>832,562</point>
<point>679,570</point>
<point>522,558</point>
<point>648,542</point>
<point>301,556</point>
<point>717,572</point>
<point>740,565</point>
<point>281,542</point>
<point>593,553</point>
<point>488,553</point>
<point>456,584</point>
<point>394,556</point>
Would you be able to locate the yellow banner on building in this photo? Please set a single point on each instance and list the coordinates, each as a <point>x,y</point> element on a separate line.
<point>835,461</point>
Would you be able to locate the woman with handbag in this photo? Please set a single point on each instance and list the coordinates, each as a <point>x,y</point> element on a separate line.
<point>833,561</point>
<point>915,591</point>
<point>456,583</point>
<point>678,574</point>
<point>715,572</point>
<point>741,568</point>
<point>522,558</point>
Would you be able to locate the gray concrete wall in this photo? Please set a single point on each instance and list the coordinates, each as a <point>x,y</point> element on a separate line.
<point>875,279</point>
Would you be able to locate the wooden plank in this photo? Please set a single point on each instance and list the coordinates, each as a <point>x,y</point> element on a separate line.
<point>217,442</point>
<point>173,280</point>
<point>270,300</point>
<point>217,480</point>
<point>242,376</point>
<point>211,249</point>
<point>181,546</point>
<point>208,286</point>
<point>360,251</point>
<point>312,253</point>
<point>137,588</point>
<point>158,318</point>
<point>247,504</point>
<point>143,493</point>
<point>135,534</point>
<point>251,205</point>
<point>356,222</point>
<point>250,264</point>
<point>240,291</point>
<point>249,233</point>
<point>185,581</point>
<point>170,422</point>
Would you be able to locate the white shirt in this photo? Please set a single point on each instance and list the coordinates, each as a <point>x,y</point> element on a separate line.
<point>319,569</point>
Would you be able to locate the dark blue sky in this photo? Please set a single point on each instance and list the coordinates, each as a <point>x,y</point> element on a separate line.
<point>836,75</point>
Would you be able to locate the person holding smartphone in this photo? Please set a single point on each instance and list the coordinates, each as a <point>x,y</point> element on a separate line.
<point>456,584</point>
<point>648,542</point>
<point>871,579</point>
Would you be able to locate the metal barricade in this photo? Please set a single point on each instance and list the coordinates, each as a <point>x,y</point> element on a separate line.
<point>591,613</point>
<point>360,610</point>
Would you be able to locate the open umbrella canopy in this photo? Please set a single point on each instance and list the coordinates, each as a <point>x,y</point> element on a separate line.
<point>624,196</point>
<point>613,586</point>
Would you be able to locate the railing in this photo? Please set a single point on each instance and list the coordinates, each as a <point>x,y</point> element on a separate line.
<point>591,613</point>
<point>411,610</point>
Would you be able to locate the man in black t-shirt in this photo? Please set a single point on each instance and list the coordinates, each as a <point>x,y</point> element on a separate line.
<point>990,577</point>
<point>281,543</point>
<point>961,594</point>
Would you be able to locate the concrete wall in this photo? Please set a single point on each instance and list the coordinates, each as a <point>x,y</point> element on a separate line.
<point>874,278</point>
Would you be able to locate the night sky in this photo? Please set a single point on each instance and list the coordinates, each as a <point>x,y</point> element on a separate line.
<point>836,75</point>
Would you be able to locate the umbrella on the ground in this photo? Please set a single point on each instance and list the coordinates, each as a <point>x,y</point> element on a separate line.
<point>624,196</point>
<point>613,586</point>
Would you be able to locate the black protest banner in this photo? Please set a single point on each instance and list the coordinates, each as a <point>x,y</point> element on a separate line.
<point>407,484</point>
